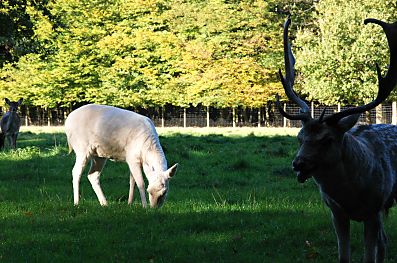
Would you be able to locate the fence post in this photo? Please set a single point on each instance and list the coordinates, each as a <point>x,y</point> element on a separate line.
<point>27,116</point>
<point>162,116</point>
<point>259,117</point>
<point>285,119</point>
<point>49,116</point>
<point>184,117</point>
<point>234,117</point>
<point>378,114</point>
<point>394,113</point>
<point>312,109</point>
<point>208,116</point>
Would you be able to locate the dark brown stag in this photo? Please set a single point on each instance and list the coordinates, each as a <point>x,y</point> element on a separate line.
<point>355,168</point>
<point>10,124</point>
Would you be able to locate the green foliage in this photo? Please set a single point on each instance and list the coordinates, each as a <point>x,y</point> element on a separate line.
<point>148,53</point>
<point>336,57</point>
<point>135,53</point>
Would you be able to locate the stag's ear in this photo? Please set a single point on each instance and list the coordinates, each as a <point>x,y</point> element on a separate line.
<point>171,172</point>
<point>20,101</point>
<point>348,122</point>
<point>7,101</point>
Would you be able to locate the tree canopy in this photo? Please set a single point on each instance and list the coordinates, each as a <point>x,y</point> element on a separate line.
<point>336,56</point>
<point>219,53</point>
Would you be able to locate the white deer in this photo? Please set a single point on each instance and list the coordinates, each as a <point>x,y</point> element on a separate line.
<point>99,132</point>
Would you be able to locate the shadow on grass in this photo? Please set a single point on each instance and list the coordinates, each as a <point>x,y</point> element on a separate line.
<point>88,233</point>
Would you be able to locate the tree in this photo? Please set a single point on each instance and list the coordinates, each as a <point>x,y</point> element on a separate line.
<point>336,58</point>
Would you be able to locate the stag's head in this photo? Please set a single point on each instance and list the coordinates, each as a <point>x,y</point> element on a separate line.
<point>321,139</point>
<point>13,104</point>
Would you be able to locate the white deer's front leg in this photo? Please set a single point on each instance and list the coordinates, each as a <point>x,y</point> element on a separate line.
<point>131,192</point>
<point>76,173</point>
<point>342,229</point>
<point>136,172</point>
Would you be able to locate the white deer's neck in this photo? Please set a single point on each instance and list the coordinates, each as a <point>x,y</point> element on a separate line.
<point>154,156</point>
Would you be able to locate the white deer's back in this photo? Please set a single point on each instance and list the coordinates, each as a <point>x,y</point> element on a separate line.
<point>107,131</point>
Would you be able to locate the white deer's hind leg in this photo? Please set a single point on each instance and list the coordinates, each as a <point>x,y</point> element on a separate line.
<point>76,173</point>
<point>136,172</point>
<point>97,164</point>
<point>131,192</point>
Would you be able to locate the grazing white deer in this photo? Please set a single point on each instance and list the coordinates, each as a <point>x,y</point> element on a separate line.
<point>355,168</point>
<point>10,124</point>
<point>99,132</point>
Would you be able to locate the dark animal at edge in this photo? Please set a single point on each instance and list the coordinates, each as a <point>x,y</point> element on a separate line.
<point>354,168</point>
<point>10,124</point>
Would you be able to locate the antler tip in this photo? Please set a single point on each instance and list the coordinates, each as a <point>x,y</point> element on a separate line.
<point>374,21</point>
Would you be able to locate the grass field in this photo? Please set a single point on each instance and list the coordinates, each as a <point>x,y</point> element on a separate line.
<point>233,199</point>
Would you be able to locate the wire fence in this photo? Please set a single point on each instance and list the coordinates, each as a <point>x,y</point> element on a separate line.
<point>201,116</point>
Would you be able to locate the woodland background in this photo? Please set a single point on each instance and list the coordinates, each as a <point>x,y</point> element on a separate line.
<point>158,55</point>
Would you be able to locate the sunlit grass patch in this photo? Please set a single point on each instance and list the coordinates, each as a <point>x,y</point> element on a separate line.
<point>233,199</point>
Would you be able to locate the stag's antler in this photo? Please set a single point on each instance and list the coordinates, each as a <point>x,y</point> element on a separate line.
<point>288,81</point>
<point>386,84</point>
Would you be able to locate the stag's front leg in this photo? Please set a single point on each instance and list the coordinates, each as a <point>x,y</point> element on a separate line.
<point>342,228</point>
<point>374,239</point>
<point>382,242</point>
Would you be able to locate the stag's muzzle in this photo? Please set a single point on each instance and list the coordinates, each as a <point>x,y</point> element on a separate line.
<point>302,169</point>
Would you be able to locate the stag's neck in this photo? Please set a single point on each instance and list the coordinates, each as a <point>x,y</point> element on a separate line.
<point>357,156</point>
<point>356,160</point>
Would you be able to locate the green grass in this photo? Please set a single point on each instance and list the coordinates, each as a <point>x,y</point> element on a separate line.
<point>233,199</point>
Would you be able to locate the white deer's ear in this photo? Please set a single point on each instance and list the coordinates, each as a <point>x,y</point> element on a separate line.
<point>348,122</point>
<point>171,172</point>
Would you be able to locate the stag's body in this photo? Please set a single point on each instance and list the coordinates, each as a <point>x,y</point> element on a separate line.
<point>355,168</point>
<point>99,132</point>
<point>363,182</point>
<point>10,124</point>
